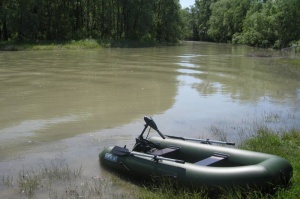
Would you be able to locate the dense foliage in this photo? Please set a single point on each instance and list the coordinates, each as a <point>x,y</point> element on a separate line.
<point>156,20</point>
<point>263,23</point>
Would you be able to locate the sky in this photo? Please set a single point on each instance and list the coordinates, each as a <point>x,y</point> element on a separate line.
<point>186,3</point>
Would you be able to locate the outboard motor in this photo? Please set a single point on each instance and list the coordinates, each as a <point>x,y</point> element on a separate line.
<point>142,144</point>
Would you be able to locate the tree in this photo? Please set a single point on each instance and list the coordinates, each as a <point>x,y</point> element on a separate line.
<point>167,20</point>
<point>77,19</point>
<point>259,26</point>
<point>138,19</point>
<point>3,21</point>
<point>272,23</point>
<point>189,25</point>
<point>203,14</point>
<point>288,22</point>
<point>227,19</point>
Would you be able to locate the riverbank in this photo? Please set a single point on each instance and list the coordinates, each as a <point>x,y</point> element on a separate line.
<point>52,45</point>
<point>76,44</point>
<point>44,181</point>
<point>100,43</point>
<point>284,144</point>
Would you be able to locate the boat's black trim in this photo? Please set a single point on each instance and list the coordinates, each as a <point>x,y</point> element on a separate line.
<point>120,151</point>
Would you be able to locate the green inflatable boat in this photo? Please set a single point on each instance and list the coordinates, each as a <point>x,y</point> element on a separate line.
<point>197,163</point>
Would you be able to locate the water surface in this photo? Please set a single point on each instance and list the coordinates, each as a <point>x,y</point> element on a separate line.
<point>70,104</point>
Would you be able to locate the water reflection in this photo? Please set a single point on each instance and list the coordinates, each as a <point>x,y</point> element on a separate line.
<point>188,65</point>
<point>49,96</point>
<point>70,104</point>
<point>31,127</point>
<point>243,78</point>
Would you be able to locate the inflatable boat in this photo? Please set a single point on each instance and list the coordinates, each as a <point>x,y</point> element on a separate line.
<point>197,163</point>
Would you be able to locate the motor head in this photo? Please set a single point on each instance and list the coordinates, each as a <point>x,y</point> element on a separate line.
<point>150,122</point>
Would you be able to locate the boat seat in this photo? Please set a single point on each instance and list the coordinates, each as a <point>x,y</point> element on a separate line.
<point>165,151</point>
<point>216,157</point>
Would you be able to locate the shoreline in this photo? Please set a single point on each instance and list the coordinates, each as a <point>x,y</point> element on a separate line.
<point>99,43</point>
<point>60,179</point>
<point>78,44</point>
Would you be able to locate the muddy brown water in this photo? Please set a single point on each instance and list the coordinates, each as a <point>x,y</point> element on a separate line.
<point>70,104</point>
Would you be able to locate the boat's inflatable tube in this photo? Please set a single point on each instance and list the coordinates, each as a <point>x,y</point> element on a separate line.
<point>203,167</point>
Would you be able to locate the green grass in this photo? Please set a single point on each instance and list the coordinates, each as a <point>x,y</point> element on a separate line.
<point>30,181</point>
<point>52,45</point>
<point>284,144</point>
<point>76,44</point>
<point>57,180</point>
<point>57,174</point>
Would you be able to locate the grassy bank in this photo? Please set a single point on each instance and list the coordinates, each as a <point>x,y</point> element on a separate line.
<point>284,144</point>
<point>76,44</point>
<point>52,45</point>
<point>58,180</point>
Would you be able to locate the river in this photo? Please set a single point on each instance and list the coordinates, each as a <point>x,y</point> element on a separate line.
<point>70,104</point>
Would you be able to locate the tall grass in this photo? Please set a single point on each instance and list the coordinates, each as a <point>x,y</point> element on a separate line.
<point>56,180</point>
<point>29,181</point>
<point>6,180</point>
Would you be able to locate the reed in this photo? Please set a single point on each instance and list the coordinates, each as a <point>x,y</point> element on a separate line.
<point>6,180</point>
<point>29,181</point>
